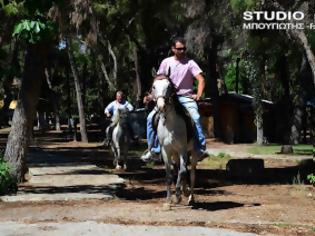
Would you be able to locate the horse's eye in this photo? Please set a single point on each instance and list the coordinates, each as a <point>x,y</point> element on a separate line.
<point>153,87</point>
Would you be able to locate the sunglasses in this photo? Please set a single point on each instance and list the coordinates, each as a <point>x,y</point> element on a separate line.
<point>181,49</point>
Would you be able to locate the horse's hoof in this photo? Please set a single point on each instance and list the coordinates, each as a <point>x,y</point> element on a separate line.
<point>118,167</point>
<point>191,200</point>
<point>166,206</point>
<point>125,167</point>
<point>186,191</point>
<point>176,199</point>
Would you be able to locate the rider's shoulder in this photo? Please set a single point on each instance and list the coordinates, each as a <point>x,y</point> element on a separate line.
<point>168,59</point>
<point>112,103</point>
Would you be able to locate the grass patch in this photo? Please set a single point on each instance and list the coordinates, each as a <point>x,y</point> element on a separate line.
<point>150,164</point>
<point>303,149</point>
<point>272,149</point>
<point>281,225</point>
<point>215,161</point>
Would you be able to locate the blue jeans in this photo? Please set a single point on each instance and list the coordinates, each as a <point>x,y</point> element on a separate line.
<point>192,108</point>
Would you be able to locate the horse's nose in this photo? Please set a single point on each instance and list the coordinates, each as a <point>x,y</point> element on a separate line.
<point>160,103</point>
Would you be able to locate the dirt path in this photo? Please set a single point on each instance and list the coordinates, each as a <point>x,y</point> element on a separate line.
<point>265,206</point>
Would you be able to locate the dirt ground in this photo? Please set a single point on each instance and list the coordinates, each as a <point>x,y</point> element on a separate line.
<point>267,205</point>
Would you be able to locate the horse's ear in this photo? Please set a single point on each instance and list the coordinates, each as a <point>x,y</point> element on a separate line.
<point>153,72</point>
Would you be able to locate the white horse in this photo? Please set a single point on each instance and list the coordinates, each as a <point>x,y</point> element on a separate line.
<point>175,134</point>
<point>120,138</point>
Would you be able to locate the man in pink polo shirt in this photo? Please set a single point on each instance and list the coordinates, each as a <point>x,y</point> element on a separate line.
<point>182,71</point>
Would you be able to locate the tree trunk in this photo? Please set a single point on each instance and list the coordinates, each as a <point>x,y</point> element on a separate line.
<point>84,82</point>
<point>68,100</point>
<point>237,74</point>
<point>260,130</point>
<point>302,39</point>
<point>24,114</point>
<point>138,80</point>
<point>110,77</point>
<point>53,98</point>
<point>7,83</point>
<point>298,103</point>
<point>212,88</point>
<point>75,74</point>
<point>258,97</point>
<point>296,123</point>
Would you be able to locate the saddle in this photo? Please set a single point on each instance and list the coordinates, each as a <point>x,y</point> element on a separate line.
<point>190,127</point>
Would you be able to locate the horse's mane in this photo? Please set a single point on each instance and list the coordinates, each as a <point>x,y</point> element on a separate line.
<point>122,116</point>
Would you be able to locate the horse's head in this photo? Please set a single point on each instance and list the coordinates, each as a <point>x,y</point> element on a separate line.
<point>162,90</point>
<point>123,115</point>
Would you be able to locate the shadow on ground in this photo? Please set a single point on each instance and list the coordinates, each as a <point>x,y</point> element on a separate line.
<point>145,182</point>
<point>153,175</point>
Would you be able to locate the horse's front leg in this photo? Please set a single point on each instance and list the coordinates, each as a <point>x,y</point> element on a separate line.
<point>181,177</point>
<point>125,155</point>
<point>168,176</point>
<point>193,165</point>
<point>117,158</point>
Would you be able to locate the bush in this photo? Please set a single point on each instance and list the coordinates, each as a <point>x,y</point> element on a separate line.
<point>7,183</point>
<point>311,178</point>
<point>223,155</point>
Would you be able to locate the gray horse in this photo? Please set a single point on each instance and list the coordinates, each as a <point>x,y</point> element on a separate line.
<point>120,138</point>
<point>175,134</point>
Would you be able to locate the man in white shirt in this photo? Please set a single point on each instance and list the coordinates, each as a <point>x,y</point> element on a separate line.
<point>111,112</point>
<point>120,102</point>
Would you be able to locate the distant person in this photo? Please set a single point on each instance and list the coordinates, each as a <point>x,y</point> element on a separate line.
<point>182,71</point>
<point>111,112</point>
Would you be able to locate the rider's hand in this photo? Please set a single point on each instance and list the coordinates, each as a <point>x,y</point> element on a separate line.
<point>148,98</point>
<point>195,97</point>
<point>108,115</point>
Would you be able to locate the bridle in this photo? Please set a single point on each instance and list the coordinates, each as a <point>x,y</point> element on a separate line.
<point>171,90</point>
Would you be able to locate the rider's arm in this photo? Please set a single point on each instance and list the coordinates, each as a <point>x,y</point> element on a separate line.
<point>201,86</point>
<point>197,73</point>
<point>129,106</point>
<point>109,109</point>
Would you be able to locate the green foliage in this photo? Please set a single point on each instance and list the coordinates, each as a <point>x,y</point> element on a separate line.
<point>7,183</point>
<point>311,38</point>
<point>13,8</point>
<point>150,164</point>
<point>241,5</point>
<point>223,155</point>
<point>230,72</point>
<point>109,9</point>
<point>33,31</point>
<point>99,8</point>
<point>311,178</point>
<point>218,161</point>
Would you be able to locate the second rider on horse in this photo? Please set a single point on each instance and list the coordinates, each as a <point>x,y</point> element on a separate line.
<point>111,112</point>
